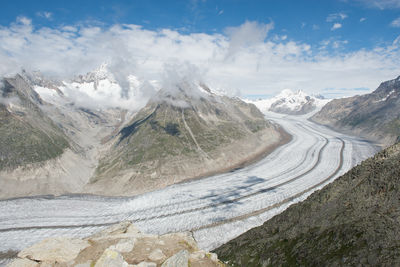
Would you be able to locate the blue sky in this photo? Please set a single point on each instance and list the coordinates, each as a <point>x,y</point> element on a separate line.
<point>364,24</point>
<point>351,34</point>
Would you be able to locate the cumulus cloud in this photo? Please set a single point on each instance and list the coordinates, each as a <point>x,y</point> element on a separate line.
<point>336,26</point>
<point>395,23</point>
<point>246,35</point>
<point>244,58</point>
<point>24,20</point>
<point>363,19</point>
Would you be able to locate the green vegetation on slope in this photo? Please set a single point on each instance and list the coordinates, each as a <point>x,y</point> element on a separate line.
<point>353,221</point>
<point>162,132</point>
<point>27,135</point>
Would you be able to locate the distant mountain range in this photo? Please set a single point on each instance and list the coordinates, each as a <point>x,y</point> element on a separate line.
<point>375,116</point>
<point>92,135</point>
<point>292,103</point>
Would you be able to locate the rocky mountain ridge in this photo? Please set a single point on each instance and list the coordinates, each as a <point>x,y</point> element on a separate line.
<point>375,116</point>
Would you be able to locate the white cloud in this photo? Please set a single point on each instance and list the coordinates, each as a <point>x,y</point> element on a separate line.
<point>363,19</point>
<point>45,14</point>
<point>336,26</point>
<point>246,35</point>
<point>395,23</point>
<point>381,4</point>
<point>69,29</point>
<point>336,17</point>
<point>339,44</point>
<point>244,58</point>
<point>24,20</point>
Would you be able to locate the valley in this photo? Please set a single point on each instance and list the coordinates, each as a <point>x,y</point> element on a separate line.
<point>216,209</point>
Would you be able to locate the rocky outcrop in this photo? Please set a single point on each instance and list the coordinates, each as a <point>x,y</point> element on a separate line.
<point>374,116</point>
<point>354,221</point>
<point>121,245</point>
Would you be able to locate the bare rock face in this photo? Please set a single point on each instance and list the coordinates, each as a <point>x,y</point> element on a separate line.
<point>121,245</point>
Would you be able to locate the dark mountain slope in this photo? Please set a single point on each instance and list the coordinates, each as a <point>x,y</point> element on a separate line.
<point>375,116</point>
<point>354,221</point>
<point>27,135</point>
<point>181,135</point>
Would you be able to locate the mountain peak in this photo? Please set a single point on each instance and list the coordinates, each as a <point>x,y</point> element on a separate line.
<point>98,74</point>
<point>289,102</point>
<point>183,94</point>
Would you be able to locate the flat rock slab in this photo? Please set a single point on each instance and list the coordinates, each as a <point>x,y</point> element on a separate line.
<point>58,249</point>
<point>23,263</point>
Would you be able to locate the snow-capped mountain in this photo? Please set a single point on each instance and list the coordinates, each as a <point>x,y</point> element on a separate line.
<point>100,74</point>
<point>102,86</point>
<point>98,89</point>
<point>289,102</point>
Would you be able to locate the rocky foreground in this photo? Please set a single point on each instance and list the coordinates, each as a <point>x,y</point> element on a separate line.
<point>121,245</point>
<point>354,221</point>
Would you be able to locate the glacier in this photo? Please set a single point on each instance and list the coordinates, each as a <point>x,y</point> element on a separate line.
<point>215,209</point>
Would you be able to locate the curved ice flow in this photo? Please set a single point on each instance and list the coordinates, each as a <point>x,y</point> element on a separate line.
<point>216,208</point>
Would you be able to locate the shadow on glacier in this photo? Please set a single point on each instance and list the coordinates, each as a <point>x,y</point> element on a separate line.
<point>237,193</point>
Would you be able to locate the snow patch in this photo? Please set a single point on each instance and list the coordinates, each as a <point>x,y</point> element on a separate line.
<point>386,97</point>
